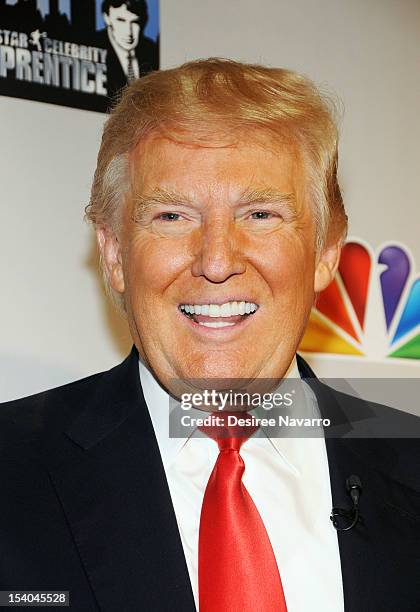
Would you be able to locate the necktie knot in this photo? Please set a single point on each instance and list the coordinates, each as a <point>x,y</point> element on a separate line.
<point>231,431</point>
<point>226,444</point>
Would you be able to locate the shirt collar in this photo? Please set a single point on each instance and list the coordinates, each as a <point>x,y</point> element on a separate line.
<point>158,403</point>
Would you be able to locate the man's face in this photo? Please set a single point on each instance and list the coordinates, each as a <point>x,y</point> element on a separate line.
<point>124,25</point>
<point>219,231</point>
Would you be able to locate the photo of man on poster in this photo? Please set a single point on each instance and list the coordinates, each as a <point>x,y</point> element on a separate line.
<point>131,54</point>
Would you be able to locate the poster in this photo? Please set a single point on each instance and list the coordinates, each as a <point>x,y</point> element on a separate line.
<point>77,53</point>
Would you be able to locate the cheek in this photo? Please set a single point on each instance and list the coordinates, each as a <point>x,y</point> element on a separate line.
<point>287,264</point>
<point>152,265</point>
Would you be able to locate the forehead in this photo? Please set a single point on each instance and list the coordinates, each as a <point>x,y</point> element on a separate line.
<point>159,162</point>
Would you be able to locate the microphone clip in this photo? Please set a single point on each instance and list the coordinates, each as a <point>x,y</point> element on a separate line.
<point>345,519</point>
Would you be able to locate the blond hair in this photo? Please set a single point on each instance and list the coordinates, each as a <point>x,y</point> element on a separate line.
<point>215,96</point>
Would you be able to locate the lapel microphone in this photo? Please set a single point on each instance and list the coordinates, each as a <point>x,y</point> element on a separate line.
<point>345,519</point>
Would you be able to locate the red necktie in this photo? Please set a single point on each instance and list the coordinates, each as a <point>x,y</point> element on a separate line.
<point>237,569</point>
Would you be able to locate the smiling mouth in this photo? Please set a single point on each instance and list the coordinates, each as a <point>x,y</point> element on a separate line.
<point>219,315</point>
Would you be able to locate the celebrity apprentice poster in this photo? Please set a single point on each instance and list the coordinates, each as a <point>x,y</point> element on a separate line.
<point>77,53</point>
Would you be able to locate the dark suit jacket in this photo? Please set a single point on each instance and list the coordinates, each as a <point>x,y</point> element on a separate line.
<point>147,55</point>
<point>85,505</point>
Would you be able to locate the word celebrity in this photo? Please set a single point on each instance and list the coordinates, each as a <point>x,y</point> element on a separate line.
<point>219,219</point>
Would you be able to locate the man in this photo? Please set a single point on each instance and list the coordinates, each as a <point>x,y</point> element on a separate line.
<point>130,53</point>
<point>219,218</point>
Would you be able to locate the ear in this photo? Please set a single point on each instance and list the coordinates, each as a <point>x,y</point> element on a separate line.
<point>327,266</point>
<point>110,249</point>
<point>106,19</point>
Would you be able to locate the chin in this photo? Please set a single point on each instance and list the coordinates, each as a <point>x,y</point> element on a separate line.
<point>217,368</point>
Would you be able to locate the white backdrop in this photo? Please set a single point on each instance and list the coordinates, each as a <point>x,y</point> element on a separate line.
<point>55,322</point>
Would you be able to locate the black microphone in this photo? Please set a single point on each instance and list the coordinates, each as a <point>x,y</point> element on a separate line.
<point>351,516</point>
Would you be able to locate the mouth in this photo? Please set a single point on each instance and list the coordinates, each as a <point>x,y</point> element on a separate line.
<point>216,316</point>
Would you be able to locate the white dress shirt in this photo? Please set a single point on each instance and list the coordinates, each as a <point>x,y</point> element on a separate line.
<point>288,479</point>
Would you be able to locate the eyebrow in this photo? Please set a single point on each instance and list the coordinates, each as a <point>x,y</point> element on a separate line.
<point>267,196</point>
<point>159,197</point>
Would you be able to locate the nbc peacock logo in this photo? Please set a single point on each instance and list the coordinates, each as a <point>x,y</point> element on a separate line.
<point>371,309</point>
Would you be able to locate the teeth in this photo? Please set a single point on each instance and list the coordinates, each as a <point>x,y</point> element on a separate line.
<point>234,309</point>
<point>225,310</point>
<point>216,324</point>
<point>214,310</point>
<point>229,309</point>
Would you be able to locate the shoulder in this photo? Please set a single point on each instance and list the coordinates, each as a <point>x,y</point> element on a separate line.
<point>349,400</point>
<point>47,415</point>
<point>35,432</point>
<point>38,411</point>
<point>101,38</point>
<point>31,428</point>
<point>147,43</point>
<point>148,51</point>
<point>383,436</point>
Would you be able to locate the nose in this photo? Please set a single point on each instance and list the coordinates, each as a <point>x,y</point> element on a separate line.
<point>218,254</point>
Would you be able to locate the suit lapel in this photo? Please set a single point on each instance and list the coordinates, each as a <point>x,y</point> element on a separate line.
<point>116,76</point>
<point>116,499</point>
<point>378,557</point>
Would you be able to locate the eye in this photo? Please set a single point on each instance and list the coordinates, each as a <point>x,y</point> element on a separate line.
<point>169,216</point>
<point>261,214</point>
